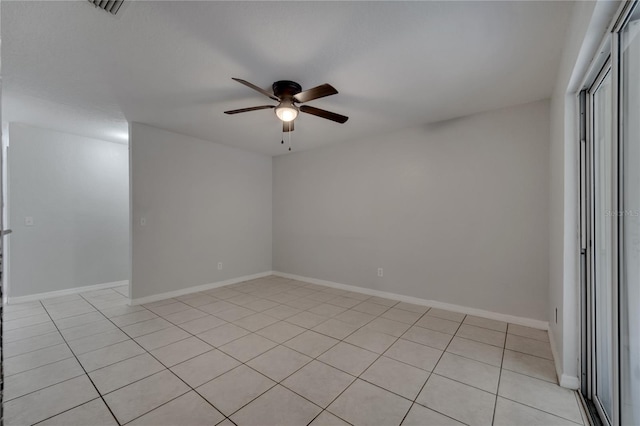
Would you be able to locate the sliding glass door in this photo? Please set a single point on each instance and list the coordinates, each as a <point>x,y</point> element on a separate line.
<point>610,190</point>
<point>630,220</point>
<point>602,242</point>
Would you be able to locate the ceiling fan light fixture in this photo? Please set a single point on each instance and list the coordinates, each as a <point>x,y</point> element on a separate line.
<point>286,111</point>
<point>288,93</point>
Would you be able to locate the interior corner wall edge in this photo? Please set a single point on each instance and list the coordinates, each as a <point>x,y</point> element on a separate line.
<point>455,212</point>
<point>76,189</point>
<point>588,25</point>
<point>203,203</point>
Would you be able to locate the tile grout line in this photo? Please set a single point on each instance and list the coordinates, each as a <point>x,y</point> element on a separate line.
<point>538,409</point>
<point>194,389</point>
<point>48,386</point>
<point>165,369</point>
<point>145,308</point>
<point>495,403</point>
<point>380,356</point>
<point>306,329</point>
<point>85,372</point>
<point>178,325</point>
<point>503,348</point>
<point>285,290</point>
<point>282,344</point>
<point>262,374</point>
<point>25,338</point>
<point>310,329</point>
<point>28,325</point>
<point>241,363</point>
<point>322,409</point>
<point>343,340</point>
<point>36,350</point>
<point>431,373</point>
<point>72,408</point>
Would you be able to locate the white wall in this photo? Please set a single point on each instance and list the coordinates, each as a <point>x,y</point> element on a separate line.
<point>203,203</point>
<point>455,212</point>
<point>77,191</point>
<point>586,30</point>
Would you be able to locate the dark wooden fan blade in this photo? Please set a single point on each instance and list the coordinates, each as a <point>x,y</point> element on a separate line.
<point>237,111</point>
<point>315,93</point>
<point>287,126</point>
<point>256,88</point>
<point>324,114</point>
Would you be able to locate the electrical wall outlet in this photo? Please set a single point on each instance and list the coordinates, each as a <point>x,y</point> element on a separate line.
<point>219,265</point>
<point>380,272</point>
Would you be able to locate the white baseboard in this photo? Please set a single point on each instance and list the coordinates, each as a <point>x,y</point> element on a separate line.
<point>556,356</point>
<point>564,380</point>
<point>528,322</point>
<point>569,382</point>
<point>48,295</point>
<point>195,289</point>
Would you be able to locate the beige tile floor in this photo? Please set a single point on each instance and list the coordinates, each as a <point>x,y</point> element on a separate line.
<point>273,351</point>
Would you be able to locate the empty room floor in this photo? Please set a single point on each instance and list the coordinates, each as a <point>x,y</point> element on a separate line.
<point>273,351</point>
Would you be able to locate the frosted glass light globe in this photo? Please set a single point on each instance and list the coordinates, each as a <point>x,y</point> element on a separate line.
<point>286,111</point>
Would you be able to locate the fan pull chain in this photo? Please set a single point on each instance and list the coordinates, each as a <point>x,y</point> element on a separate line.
<point>289,141</point>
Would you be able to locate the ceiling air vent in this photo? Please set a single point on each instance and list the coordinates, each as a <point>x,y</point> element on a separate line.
<point>111,6</point>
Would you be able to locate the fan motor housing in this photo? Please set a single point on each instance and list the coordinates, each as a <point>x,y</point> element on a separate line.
<point>286,89</point>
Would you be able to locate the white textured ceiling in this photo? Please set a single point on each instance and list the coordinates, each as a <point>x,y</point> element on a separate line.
<point>71,67</point>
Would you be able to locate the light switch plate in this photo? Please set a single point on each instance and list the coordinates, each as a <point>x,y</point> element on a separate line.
<point>28,221</point>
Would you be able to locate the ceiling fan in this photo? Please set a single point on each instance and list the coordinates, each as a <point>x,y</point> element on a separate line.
<point>288,94</point>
